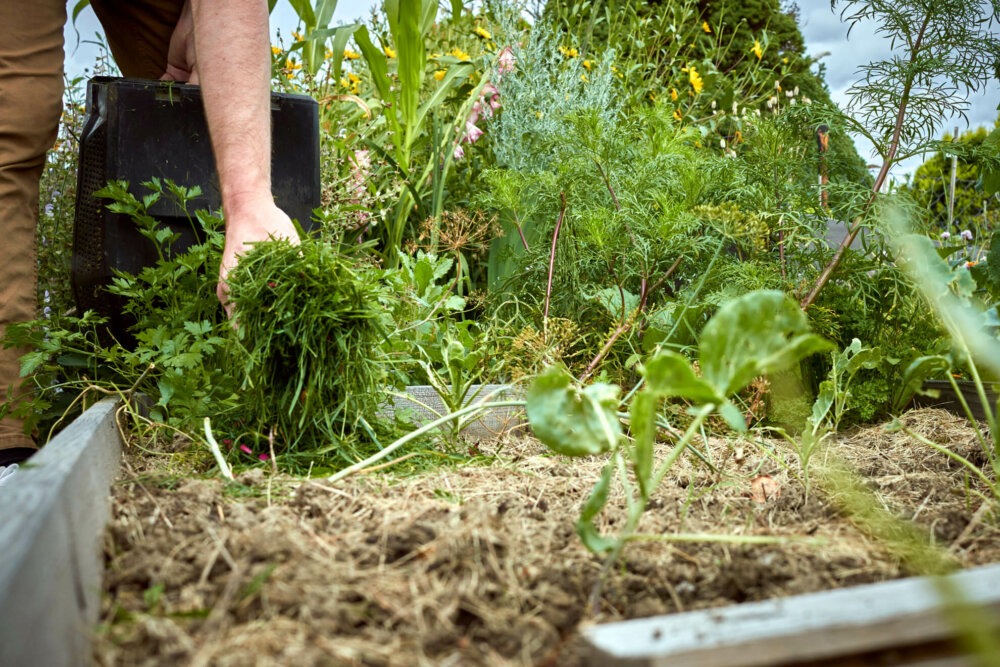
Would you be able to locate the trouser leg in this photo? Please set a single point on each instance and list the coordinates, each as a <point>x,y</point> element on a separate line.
<point>31,86</point>
<point>138,33</point>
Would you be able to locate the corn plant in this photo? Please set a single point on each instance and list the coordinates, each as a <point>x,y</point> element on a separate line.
<point>410,118</point>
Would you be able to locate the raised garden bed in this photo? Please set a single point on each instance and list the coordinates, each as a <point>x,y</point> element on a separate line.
<point>479,564</point>
<point>947,399</point>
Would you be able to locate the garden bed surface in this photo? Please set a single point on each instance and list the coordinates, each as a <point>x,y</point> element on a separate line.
<point>480,564</point>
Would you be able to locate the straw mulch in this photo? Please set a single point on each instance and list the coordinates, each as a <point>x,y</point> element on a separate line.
<point>480,565</point>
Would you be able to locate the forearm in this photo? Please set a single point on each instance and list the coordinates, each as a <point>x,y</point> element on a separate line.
<point>232,43</point>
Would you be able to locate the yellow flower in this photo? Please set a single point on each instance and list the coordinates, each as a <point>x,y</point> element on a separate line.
<point>570,52</point>
<point>696,81</point>
<point>439,74</point>
<point>583,77</point>
<point>459,53</point>
<point>389,52</point>
<point>275,50</point>
<point>351,55</point>
<point>292,65</point>
<point>673,94</point>
<point>587,64</point>
<point>352,82</point>
<point>297,35</point>
<point>482,32</point>
<point>328,54</point>
<point>707,28</point>
<point>757,50</point>
<point>677,115</point>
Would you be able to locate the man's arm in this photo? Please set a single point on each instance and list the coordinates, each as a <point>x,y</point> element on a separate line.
<point>230,57</point>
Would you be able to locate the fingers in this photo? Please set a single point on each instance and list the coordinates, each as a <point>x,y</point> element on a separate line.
<point>180,75</point>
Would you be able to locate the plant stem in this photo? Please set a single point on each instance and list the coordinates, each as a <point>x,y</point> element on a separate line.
<point>413,435</point>
<point>887,163</point>
<point>552,261</point>
<point>627,323</point>
<point>213,446</point>
<point>966,463</point>
<point>637,505</point>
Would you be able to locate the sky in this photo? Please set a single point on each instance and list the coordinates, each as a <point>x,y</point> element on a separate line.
<point>821,28</point>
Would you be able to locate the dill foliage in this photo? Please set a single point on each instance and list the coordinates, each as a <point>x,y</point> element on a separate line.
<point>307,342</point>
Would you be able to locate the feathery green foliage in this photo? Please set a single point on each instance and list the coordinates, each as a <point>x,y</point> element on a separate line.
<point>307,348</point>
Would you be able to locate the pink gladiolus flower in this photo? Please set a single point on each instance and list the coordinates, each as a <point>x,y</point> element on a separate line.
<point>473,118</point>
<point>246,450</point>
<point>459,152</point>
<point>506,61</point>
<point>472,133</point>
<point>263,457</point>
<point>360,168</point>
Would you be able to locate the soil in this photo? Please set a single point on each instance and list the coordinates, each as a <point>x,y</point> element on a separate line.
<point>480,564</point>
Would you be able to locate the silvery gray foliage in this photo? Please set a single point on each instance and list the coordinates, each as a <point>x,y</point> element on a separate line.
<point>545,90</point>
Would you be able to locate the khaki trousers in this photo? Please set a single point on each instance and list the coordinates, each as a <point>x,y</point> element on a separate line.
<point>31,87</point>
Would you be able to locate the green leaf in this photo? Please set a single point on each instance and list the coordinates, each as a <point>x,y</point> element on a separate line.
<point>457,72</point>
<point>991,176</point>
<point>379,68</point>
<point>824,401</point>
<point>303,9</point>
<point>736,420</point>
<point>755,334</point>
<point>406,23</point>
<point>919,370</point>
<point>642,416</point>
<point>569,420</point>
<point>585,527</point>
<point>668,373</point>
<point>79,7</point>
<point>993,261</point>
<point>341,35</point>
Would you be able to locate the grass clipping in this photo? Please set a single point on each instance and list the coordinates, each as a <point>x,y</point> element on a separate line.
<point>307,342</point>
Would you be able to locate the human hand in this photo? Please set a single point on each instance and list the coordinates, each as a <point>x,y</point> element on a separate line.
<point>250,225</point>
<point>7,473</point>
<point>182,60</point>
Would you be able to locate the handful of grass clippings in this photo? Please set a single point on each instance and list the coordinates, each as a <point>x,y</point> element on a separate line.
<point>307,342</point>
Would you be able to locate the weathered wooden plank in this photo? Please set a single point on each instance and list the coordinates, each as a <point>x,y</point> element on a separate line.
<point>53,516</point>
<point>427,406</point>
<point>814,628</point>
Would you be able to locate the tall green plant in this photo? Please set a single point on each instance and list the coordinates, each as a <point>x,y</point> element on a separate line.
<point>759,333</point>
<point>946,49</point>
<point>409,115</point>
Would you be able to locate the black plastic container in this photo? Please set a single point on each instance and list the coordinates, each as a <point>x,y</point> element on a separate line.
<point>139,129</point>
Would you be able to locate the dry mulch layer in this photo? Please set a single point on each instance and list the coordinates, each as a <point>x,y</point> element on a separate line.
<point>480,564</point>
